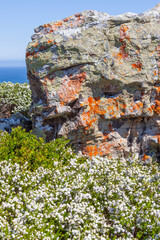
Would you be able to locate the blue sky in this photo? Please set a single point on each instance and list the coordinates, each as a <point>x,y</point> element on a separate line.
<point>18,19</point>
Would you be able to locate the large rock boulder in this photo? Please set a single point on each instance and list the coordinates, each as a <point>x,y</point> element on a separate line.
<point>95,78</point>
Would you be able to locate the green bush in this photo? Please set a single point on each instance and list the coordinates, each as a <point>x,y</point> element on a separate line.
<point>17,95</point>
<point>21,147</point>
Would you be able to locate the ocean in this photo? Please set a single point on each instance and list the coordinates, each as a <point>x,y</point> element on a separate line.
<point>13,74</point>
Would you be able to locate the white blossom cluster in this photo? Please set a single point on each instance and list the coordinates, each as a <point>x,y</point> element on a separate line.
<point>16,95</point>
<point>82,199</point>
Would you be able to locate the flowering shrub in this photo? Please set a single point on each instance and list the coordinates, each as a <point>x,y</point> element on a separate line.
<point>80,199</point>
<point>17,95</point>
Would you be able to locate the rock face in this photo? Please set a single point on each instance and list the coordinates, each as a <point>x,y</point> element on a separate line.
<point>15,120</point>
<point>95,78</point>
<point>5,110</point>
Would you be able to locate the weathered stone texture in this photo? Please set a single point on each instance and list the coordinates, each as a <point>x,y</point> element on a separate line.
<point>15,120</point>
<point>95,78</point>
<point>5,110</point>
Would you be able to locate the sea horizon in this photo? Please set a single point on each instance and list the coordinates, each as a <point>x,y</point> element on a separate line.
<point>13,74</point>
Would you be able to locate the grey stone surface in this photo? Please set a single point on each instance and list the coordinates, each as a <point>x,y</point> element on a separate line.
<point>15,120</point>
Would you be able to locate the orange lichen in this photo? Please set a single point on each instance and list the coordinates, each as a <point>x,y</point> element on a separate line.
<point>91,150</point>
<point>47,25</point>
<point>123,34</point>
<point>36,44</point>
<point>38,47</point>
<point>137,65</point>
<point>113,107</point>
<point>145,157</point>
<point>28,54</point>
<point>102,149</point>
<point>89,117</point>
<point>157,137</point>
<point>110,127</point>
<point>123,38</point>
<point>137,105</point>
<point>156,107</point>
<point>70,87</point>
<point>155,72</point>
<point>78,15</point>
<point>157,92</point>
<point>66,19</point>
<point>123,50</point>
<point>119,56</point>
<point>66,22</point>
<point>88,120</point>
<point>94,106</point>
<point>150,109</point>
<point>49,41</point>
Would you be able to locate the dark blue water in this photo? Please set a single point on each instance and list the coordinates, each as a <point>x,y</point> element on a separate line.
<point>13,74</point>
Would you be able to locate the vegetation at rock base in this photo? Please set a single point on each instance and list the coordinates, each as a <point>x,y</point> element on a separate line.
<point>17,96</point>
<point>48,192</point>
<point>21,146</point>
